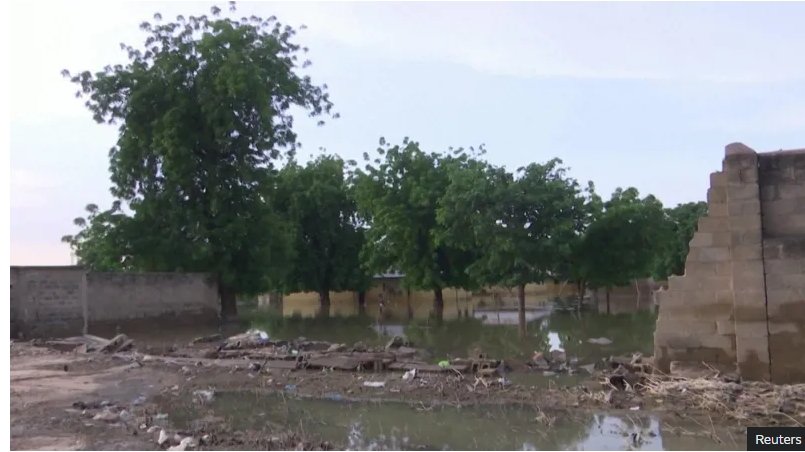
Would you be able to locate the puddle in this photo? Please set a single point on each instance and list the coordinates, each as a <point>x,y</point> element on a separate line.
<point>394,426</point>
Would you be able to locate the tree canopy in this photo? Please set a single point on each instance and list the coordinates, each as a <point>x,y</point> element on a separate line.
<point>327,236</point>
<point>204,110</point>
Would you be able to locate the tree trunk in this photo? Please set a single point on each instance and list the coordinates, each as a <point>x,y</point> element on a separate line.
<point>408,301</point>
<point>324,303</point>
<point>607,300</point>
<point>229,302</point>
<point>438,304</point>
<point>361,303</point>
<point>521,303</point>
<point>275,302</point>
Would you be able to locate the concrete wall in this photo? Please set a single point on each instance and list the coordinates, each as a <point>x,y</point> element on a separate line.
<point>118,296</point>
<point>57,301</point>
<point>639,296</point>
<point>47,299</point>
<point>782,192</point>
<point>740,302</point>
<point>398,300</point>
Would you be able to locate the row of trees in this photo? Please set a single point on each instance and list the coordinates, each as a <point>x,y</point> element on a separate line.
<point>205,179</point>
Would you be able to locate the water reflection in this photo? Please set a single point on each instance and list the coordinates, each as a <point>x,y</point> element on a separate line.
<point>391,426</point>
<point>568,331</point>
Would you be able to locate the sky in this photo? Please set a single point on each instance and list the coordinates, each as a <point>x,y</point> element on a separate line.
<point>626,94</point>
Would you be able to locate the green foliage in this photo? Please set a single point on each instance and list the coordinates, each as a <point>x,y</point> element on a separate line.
<point>327,237</point>
<point>624,240</point>
<point>399,194</point>
<point>203,110</point>
<point>684,219</point>
<point>520,226</point>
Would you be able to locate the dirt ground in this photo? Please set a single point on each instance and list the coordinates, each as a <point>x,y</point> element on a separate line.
<point>57,398</point>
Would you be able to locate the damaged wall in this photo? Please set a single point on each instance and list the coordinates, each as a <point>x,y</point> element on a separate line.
<point>741,302</point>
<point>58,301</point>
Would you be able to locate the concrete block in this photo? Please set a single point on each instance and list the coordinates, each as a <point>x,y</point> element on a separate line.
<point>720,254</point>
<point>748,207</point>
<point>700,269</point>
<point>725,297</point>
<point>718,179</point>
<point>749,298</point>
<point>785,281</point>
<point>791,191</point>
<point>751,329</point>
<point>734,150</point>
<point>748,313</point>
<point>718,341</point>
<point>712,224</point>
<point>725,327</point>
<point>746,237</point>
<point>783,328</point>
<point>785,267</point>
<point>711,283</point>
<point>747,283</point>
<point>742,192</point>
<point>782,207</point>
<point>769,193</point>
<point>723,269</point>
<point>745,223</point>
<point>747,252</point>
<point>717,195</point>
<point>701,239</point>
<point>717,210</point>
<point>722,239</point>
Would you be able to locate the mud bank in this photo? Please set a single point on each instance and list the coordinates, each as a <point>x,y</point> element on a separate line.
<point>58,400</point>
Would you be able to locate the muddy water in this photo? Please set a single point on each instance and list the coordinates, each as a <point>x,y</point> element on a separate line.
<point>393,426</point>
<point>569,331</point>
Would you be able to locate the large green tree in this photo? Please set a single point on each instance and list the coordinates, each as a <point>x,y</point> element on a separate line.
<point>624,241</point>
<point>327,234</point>
<point>521,226</point>
<point>399,193</point>
<point>204,110</point>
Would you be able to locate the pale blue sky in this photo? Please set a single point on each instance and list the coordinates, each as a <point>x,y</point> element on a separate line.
<point>635,94</point>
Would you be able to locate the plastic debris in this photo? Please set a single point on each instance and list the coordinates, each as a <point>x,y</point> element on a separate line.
<point>444,364</point>
<point>374,384</point>
<point>204,395</point>
<point>409,375</point>
<point>600,341</point>
<point>106,416</point>
<point>163,437</point>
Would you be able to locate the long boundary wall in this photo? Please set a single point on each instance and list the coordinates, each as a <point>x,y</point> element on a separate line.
<point>741,302</point>
<point>56,301</point>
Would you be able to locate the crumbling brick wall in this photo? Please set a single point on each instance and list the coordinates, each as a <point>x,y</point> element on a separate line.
<point>740,303</point>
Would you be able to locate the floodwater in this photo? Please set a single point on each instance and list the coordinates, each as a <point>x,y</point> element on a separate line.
<point>566,330</point>
<point>396,426</point>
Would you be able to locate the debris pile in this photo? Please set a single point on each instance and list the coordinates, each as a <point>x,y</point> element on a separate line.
<point>737,400</point>
<point>89,344</point>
